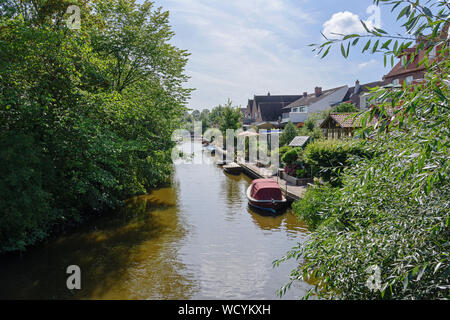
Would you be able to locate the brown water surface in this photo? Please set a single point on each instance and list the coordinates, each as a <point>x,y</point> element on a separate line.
<point>195,240</point>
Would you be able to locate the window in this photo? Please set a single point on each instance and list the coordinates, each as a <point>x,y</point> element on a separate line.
<point>409,79</point>
<point>432,53</point>
<point>396,81</point>
<point>300,109</point>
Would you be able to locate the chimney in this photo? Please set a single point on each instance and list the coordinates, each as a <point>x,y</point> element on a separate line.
<point>305,94</point>
<point>357,87</point>
<point>318,91</point>
<point>268,93</point>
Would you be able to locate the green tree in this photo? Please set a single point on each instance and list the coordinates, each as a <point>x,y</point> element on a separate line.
<point>196,115</point>
<point>215,116</point>
<point>289,133</point>
<point>345,107</point>
<point>91,110</point>
<point>231,118</point>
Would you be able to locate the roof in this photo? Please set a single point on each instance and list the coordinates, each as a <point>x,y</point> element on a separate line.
<point>299,141</point>
<point>271,106</point>
<point>399,69</point>
<point>352,96</point>
<point>266,124</point>
<point>311,98</point>
<point>347,120</point>
<point>280,98</point>
<point>250,104</point>
<point>271,111</point>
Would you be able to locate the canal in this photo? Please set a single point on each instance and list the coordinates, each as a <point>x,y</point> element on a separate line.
<point>197,239</point>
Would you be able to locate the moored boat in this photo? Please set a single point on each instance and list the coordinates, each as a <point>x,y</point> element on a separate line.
<point>232,168</point>
<point>265,194</point>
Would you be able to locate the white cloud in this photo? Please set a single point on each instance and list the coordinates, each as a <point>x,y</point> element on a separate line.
<point>367,64</point>
<point>241,48</point>
<point>346,22</point>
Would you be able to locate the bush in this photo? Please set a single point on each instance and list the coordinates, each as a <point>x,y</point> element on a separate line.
<point>314,206</point>
<point>328,158</point>
<point>283,150</point>
<point>291,156</point>
<point>374,222</point>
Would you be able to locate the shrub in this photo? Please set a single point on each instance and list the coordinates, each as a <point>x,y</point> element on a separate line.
<point>328,158</point>
<point>283,150</point>
<point>314,206</point>
<point>291,156</point>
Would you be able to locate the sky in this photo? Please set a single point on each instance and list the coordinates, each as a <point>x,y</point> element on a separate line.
<point>242,48</point>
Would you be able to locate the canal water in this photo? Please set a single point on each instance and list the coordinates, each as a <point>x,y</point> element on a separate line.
<point>197,239</point>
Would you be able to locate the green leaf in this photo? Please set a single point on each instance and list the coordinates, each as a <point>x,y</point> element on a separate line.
<point>326,52</point>
<point>386,44</point>
<point>366,46</point>
<point>343,50</point>
<point>375,46</point>
<point>403,12</point>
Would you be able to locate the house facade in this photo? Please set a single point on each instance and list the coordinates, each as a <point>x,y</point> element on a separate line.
<point>408,69</point>
<point>299,111</point>
<point>359,94</point>
<point>343,125</point>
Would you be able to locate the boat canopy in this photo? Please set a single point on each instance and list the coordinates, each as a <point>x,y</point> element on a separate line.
<point>266,189</point>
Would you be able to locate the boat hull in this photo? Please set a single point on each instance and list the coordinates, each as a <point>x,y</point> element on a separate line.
<point>273,206</point>
<point>232,168</point>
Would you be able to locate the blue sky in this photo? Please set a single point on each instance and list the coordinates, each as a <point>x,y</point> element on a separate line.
<point>244,47</point>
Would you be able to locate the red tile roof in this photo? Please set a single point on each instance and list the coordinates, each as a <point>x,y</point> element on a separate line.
<point>348,120</point>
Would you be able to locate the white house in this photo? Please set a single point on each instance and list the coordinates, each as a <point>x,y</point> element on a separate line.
<point>299,110</point>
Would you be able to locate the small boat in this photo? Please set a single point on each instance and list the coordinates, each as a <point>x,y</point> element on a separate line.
<point>265,194</point>
<point>232,168</point>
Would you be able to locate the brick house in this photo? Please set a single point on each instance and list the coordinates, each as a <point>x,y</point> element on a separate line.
<point>409,71</point>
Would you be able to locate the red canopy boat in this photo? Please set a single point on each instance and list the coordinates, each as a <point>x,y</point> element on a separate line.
<point>265,194</point>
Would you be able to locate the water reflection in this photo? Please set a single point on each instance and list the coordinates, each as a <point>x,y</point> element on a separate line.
<point>195,240</point>
<point>129,255</point>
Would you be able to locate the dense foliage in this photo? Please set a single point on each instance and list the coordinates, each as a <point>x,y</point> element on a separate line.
<point>385,233</point>
<point>289,133</point>
<point>345,107</point>
<point>86,115</point>
<point>328,158</point>
<point>222,117</point>
<point>314,206</point>
<point>230,118</point>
